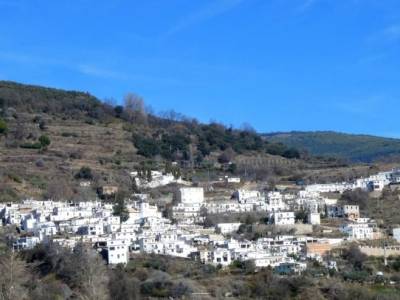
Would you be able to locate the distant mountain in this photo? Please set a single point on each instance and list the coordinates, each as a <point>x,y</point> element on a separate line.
<point>354,147</point>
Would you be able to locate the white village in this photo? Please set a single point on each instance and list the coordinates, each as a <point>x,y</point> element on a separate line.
<point>185,233</point>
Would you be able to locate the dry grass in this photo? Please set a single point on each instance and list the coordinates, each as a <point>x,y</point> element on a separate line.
<point>106,149</point>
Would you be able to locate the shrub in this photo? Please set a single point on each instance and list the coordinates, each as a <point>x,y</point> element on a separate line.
<point>42,125</point>
<point>119,109</point>
<point>89,122</point>
<point>39,163</point>
<point>15,178</point>
<point>31,145</point>
<point>44,141</point>
<point>69,134</point>
<point>356,197</point>
<point>3,127</point>
<point>75,155</point>
<point>146,147</point>
<point>356,276</point>
<point>354,256</point>
<point>84,173</point>
<point>8,194</point>
<point>291,153</point>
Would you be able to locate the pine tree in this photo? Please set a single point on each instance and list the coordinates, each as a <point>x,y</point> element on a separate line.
<point>120,209</point>
<point>168,167</point>
<point>149,176</point>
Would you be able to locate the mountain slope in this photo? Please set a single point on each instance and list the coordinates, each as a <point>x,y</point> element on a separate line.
<point>356,148</point>
<point>111,141</point>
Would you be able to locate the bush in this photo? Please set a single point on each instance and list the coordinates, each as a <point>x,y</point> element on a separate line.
<point>3,127</point>
<point>291,153</point>
<point>247,267</point>
<point>69,134</point>
<point>42,125</point>
<point>119,109</point>
<point>84,173</point>
<point>356,276</point>
<point>8,194</point>
<point>15,178</point>
<point>354,256</point>
<point>44,141</point>
<point>31,145</point>
<point>75,155</point>
<point>146,146</point>
<point>39,163</point>
<point>396,264</point>
<point>356,197</point>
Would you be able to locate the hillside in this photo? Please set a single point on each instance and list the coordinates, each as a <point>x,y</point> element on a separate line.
<point>47,135</point>
<point>356,148</point>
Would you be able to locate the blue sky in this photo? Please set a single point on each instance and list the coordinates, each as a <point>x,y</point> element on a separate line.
<point>278,64</point>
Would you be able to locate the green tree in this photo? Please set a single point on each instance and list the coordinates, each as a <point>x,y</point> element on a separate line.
<point>177,173</point>
<point>232,168</point>
<point>168,167</point>
<point>84,173</point>
<point>42,125</point>
<point>134,186</point>
<point>44,141</point>
<point>149,176</point>
<point>119,109</point>
<point>120,209</point>
<point>3,127</point>
<point>301,216</point>
<point>291,153</point>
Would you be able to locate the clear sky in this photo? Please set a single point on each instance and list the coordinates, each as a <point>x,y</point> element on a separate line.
<point>278,64</point>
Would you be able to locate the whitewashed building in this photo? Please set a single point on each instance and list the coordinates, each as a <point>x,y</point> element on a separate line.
<point>282,218</point>
<point>117,252</point>
<point>226,228</point>
<point>314,218</point>
<point>358,231</point>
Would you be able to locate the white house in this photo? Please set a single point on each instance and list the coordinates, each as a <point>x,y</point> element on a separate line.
<point>190,202</point>
<point>246,196</point>
<point>275,202</point>
<point>191,195</point>
<point>282,218</point>
<point>221,256</point>
<point>226,228</point>
<point>229,179</point>
<point>329,187</point>
<point>351,212</point>
<point>147,210</point>
<point>358,231</point>
<point>396,234</point>
<point>314,218</point>
<point>117,252</point>
<point>25,243</point>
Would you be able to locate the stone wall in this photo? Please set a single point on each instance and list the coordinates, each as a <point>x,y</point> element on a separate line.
<point>379,251</point>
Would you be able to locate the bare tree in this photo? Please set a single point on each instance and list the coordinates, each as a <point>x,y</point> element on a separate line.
<point>135,108</point>
<point>58,189</point>
<point>91,273</point>
<point>171,115</point>
<point>13,276</point>
<point>110,101</point>
<point>123,286</point>
<point>20,130</point>
<point>247,127</point>
<point>83,270</point>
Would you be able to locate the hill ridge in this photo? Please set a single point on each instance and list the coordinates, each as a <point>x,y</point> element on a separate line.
<point>354,147</point>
